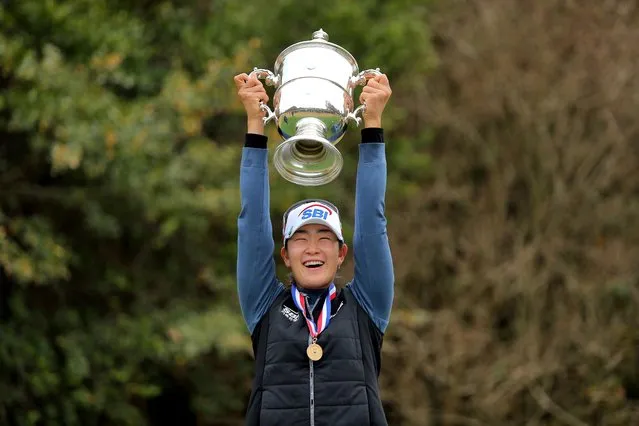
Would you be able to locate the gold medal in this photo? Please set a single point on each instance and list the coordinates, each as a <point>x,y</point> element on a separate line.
<point>314,352</point>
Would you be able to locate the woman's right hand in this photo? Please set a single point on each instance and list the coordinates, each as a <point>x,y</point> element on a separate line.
<point>251,91</point>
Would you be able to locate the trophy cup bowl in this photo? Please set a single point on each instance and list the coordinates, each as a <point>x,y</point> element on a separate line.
<point>312,106</point>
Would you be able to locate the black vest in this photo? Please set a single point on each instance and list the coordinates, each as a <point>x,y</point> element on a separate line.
<point>339,389</point>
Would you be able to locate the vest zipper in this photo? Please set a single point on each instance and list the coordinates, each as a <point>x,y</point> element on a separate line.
<point>311,373</point>
<point>311,379</point>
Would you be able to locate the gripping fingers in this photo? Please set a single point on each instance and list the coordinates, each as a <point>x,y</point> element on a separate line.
<point>240,80</point>
<point>254,93</point>
<point>253,82</point>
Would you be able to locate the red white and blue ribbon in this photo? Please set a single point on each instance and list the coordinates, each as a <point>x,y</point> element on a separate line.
<point>325,315</point>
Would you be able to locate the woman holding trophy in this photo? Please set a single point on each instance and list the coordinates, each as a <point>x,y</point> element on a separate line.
<point>317,348</point>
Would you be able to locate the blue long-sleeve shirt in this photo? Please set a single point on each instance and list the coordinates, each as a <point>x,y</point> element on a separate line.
<point>373,279</point>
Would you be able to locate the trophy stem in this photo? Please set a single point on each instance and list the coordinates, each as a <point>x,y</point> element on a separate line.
<point>309,131</point>
<point>308,158</point>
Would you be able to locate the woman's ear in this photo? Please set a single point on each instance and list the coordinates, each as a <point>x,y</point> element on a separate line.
<point>284,254</point>
<point>341,255</point>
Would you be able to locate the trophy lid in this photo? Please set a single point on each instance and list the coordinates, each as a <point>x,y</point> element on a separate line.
<point>320,35</point>
<point>319,40</point>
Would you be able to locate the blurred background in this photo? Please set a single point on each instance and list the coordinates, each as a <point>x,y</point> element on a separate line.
<point>513,206</point>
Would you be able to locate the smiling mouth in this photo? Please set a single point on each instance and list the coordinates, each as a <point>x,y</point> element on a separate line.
<point>312,264</point>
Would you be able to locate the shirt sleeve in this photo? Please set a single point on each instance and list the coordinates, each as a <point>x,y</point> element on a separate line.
<point>257,285</point>
<point>373,281</point>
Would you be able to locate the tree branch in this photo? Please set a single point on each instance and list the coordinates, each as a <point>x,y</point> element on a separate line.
<point>547,404</point>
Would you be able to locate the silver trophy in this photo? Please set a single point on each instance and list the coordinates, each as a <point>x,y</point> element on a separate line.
<point>312,105</point>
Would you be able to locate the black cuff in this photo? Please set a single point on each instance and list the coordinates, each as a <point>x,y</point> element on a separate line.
<point>253,140</point>
<point>373,135</point>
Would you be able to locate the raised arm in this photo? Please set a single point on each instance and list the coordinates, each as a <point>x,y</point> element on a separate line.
<point>257,285</point>
<point>373,281</point>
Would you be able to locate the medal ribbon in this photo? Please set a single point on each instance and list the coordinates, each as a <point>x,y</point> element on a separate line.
<point>324,316</point>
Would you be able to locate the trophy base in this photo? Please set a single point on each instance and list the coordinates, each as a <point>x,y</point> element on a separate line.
<point>308,158</point>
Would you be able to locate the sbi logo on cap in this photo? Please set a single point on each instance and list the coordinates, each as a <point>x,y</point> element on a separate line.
<point>318,213</point>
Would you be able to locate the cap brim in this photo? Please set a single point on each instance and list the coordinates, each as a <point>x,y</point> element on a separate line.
<point>317,222</point>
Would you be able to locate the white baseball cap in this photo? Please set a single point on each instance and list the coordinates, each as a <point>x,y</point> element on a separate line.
<point>311,211</point>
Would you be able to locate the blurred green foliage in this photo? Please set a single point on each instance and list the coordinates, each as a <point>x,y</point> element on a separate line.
<point>120,138</point>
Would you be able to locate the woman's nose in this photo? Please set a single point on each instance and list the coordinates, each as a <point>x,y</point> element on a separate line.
<point>312,246</point>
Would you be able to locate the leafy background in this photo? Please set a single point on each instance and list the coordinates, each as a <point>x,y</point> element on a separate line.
<point>513,206</point>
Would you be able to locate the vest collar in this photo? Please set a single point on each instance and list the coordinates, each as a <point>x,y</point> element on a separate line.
<point>336,303</point>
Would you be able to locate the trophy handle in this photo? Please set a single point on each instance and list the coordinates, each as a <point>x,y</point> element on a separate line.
<point>270,80</point>
<point>359,80</point>
<point>353,116</point>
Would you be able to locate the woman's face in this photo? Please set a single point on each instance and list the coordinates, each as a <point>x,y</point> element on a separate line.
<point>313,254</point>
